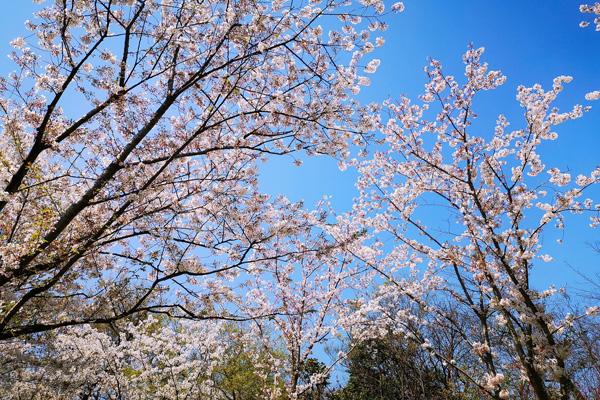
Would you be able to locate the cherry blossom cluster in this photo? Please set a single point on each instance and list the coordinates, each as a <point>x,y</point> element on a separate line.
<point>593,9</point>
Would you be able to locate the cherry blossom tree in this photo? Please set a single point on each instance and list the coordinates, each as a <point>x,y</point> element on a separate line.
<point>458,218</point>
<point>305,296</point>
<point>131,132</point>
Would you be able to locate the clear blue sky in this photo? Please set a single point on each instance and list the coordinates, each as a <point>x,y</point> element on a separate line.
<point>530,41</point>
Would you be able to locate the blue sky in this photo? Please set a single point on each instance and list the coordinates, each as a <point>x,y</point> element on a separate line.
<point>530,41</point>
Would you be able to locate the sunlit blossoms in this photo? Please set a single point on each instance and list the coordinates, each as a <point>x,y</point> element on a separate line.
<point>143,358</point>
<point>130,141</point>
<point>140,259</point>
<point>595,95</point>
<point>131,137</point>
<point>593,9</point>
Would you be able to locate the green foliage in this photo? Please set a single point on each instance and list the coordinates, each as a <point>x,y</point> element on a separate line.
<point>392,369</point>
<point>239,378</point>
<point>247,372</point>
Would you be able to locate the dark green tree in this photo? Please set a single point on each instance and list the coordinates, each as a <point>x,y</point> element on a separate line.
<point>316,391</point>
<point>392,369</point>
